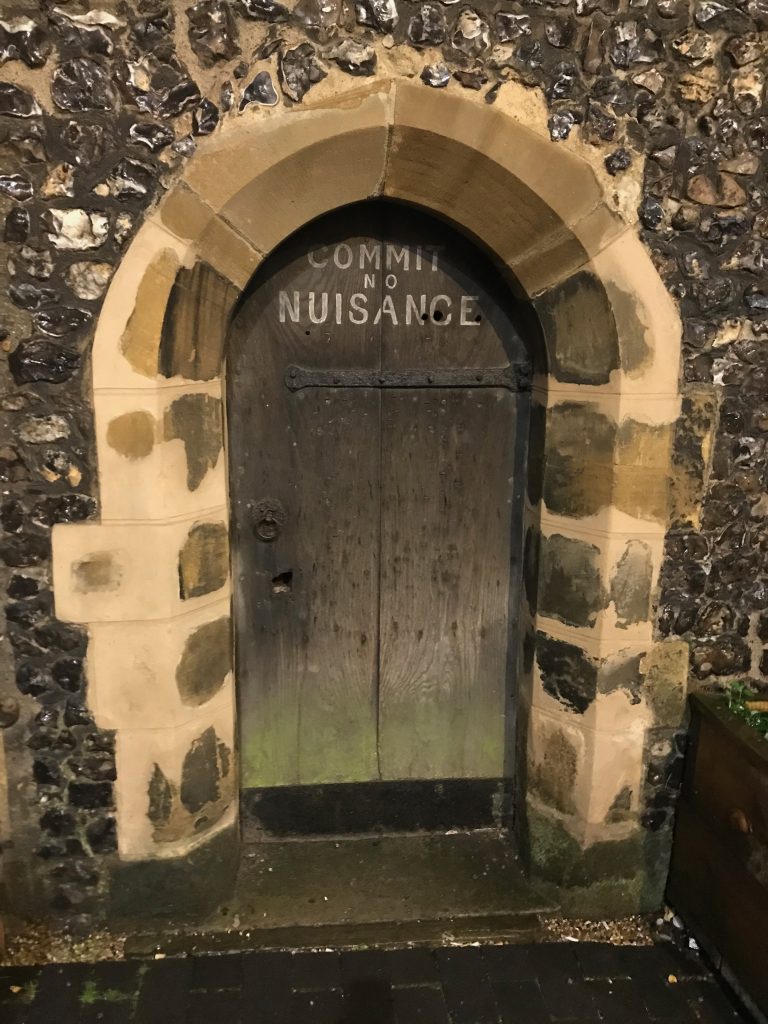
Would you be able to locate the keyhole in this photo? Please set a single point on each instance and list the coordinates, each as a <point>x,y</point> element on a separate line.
<point>282,583</point>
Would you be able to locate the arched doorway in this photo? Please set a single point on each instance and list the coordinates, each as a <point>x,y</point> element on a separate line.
<point>150,579</point>
<point>377,407</point>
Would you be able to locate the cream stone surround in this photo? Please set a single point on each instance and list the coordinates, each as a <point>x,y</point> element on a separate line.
<point>545,210</point>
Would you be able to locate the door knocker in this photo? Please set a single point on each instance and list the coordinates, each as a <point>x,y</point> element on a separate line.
<point>268,519</point>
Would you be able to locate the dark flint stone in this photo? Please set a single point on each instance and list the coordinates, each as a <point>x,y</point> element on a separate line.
<point>651,212</point>
<point>471,79</point>
<point>436,75</point>
<point>563,82</point>
<point>17,102</point>
<point>298,71</point>
<point>102,835</point>
<point>154,136</point>
<point>22,551</point>
<point>46,772</point>
<point>154,30</point>
<point>756,298</point>
<point>266,10</point>
<point>599,124</point>
<point>354,58</point>
<point>61,320</point>
<point>85,142</point>
<point>379,14</point>
<point>560,125</point>
<point>528,59</point>
<point>170,91</point>
<point>16,225</point>
<point>60,636</point>
<point>471,35</point>
<point>12,515</point>
<point>567,674</point>
<point>744,49</point>
<point>493,93</point>
<point>32,296</point>
<point>212,31</point>
<point>77,35</point>
<point>205,117</point>
<point>200,773</point>
<point>185,146</point>
<point>58,822</point>
<point>75,714</point>
<point>618,161</point>
<point>268,47</point>
<point>226,96</point>
<point>512,26</point>
<point>68,673</point>
<point>560,33</point>
<point>130,180</point>
<point>83,84</point>
<point>9,712</point>
<point>724,656</point>
<point>320,15</point>
<point>22,586</point>
<point>95,767</point>
<point>427,27</point>
<point>240,70</point>
<point>21,39</point>
<point>260,91</point>
<point>32,680</point>
<point>40,360</point>
<point>90,795</point>
<point>16,186</point>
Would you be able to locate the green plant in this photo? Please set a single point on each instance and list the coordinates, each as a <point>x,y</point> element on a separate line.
<point>739,696</point>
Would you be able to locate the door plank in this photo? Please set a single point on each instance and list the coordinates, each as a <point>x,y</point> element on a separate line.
<point>445,571</point>
<point>306,604</point>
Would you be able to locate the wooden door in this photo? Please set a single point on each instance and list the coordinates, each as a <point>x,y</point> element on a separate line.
<point>373,401</point>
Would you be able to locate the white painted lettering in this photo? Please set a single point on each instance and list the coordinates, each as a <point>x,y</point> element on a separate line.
<point>323,308</point>
<point>372,255</point>
<point>437,315</point>
<point>390,281</point>
<point>387,307</point>
<point>411,309</point>
<point>338,308</point>
<point>369,281</point>
<point>286,309</point>
<point>358,304</point>
<point>467,312</point>
<point>342,256</point>
<point>400,256</point>
<point>318,264</point>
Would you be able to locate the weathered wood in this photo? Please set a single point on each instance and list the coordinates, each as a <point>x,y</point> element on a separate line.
<point>305,603</point>
<point>445,555</point>
<point>381,509</point>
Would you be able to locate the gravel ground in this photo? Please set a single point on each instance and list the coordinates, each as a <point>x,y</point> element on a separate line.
<point>33,944</point>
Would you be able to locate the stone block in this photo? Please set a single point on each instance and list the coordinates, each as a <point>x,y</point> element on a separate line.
<point>161,453</point>
<point>177,786</point>
<point>127,339</point>
<point>169,665</point>
<point>125,572</point>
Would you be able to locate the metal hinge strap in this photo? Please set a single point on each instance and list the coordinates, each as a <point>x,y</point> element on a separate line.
<point>514,378</point>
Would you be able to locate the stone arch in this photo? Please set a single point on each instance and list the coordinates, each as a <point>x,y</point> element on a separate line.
<point>150,579</point>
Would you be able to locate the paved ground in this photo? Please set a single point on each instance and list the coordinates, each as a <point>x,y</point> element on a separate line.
<point>534,984</point>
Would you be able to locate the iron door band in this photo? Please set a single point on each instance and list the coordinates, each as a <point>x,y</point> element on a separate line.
<point>516,377</point>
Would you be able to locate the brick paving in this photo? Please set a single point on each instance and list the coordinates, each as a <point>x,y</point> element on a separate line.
<point>555,983</point>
